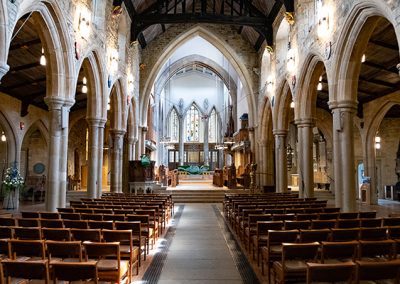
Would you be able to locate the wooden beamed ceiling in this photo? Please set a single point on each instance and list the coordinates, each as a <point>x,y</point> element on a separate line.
<point>225,12</point>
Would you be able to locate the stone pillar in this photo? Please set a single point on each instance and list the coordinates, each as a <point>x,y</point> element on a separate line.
<point>58,149</point>
<point>181,139</point>
<point>336,157</point>
<point>370,169</point>
<point>116,151</point>
<point>143,141</point>
<point>100,158</point>
<point>131,148</point>
<point>3,70</point>
<point>93,157</point>
<point>281,160</point>
<point>344,166</point>
<point>306,171</point>
<point>261,161</point>
<point>206,148</point>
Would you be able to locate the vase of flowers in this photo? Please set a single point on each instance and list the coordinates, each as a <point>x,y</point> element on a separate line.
<point>12,183</point>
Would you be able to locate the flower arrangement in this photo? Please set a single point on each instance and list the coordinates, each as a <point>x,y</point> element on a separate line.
<point>12,179</point>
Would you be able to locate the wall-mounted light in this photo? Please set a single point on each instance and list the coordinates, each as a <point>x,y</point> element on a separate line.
<point>84,24</point>
<point>3,137</point>
<point>319,86</point>
<point>292,104</point>
<point>270,84</point>
<point>363,58</point>
<point>130,83</point>
<point>377,142</point>
<point>290,58</point>
<point>108,104</point>
<point>43,58</point>
<point>84,86</point>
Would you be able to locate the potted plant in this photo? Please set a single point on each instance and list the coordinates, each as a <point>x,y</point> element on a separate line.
<point>12,184</point>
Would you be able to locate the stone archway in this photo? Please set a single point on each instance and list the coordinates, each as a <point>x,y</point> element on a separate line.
<point>266,148</point>
<point>228,52</point>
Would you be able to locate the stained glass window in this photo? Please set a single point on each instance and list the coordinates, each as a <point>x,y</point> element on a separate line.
<point>174,126</point>
<point>213,127</point>
<point>192,124</point>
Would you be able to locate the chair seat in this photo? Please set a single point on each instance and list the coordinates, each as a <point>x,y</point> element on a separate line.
<point>292,266</point>
<point>69,259</point>
<point>111,265</point>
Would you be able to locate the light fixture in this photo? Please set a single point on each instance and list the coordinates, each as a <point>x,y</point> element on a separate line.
<point>113,60</point>
<point>377,142</point>
<point>130,83</point>
<point>319,86</point>
<point>84,86</point>
<point>270,84</point>
<point>108,106</point>
<point>3,137</point>
<point>43,58</point>
<point>290,59</point>
<point>363,58</point>
<point>292,104</point>
<point>84,24</point>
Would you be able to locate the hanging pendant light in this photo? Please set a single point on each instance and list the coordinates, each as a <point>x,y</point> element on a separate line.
<point>363,58</point>
<point>43,58</point>
<point>3,137</point>
<point>84,86</point>
<point>292,104</point>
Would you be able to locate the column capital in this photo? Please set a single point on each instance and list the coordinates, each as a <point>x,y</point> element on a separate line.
<point>132,140</point>
<point>55,103</point>
<point>144,128</point>
<point>343,104</point>
<point>280,132</point>
<point>305,122</point>
<point>4,68</point>
<point>95,122</point>
<point>117,132</point>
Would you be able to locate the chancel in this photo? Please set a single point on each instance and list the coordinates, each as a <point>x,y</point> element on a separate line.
<point>200,141</point>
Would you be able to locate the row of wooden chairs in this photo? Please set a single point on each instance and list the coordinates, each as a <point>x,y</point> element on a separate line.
<point>300,263</point>
<point>114,260</point>
<point>11,270</point>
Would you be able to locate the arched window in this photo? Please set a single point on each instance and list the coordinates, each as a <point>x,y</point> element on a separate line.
<point>213,127</point>
<point>174,126</point>
<point>192,124</point>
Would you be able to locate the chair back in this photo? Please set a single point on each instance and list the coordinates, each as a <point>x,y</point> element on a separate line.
<point>339,250</point>
<point>336,272</point>
<point>27,233</point>
<point>56,234</point>
<point>28,222</point>
<point>74,271</point>
<point>378,270</point>
<point>51,223</point>
<point>64,249</point>
<point>6,233</point>
<point>76,224</point>
<point>343,235</point>
<point>101,225</point>
<point>309,236</point>
<point>92,235</point>
<point>49,215</point>
<point>304,251</point>
<point>8,221</point>
<point>30,248</point>
<point>292,225</point>
<point>70,216</point>
<point>373,234</point>
<point>38,270</point>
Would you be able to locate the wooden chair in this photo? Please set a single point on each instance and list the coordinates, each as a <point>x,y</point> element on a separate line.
<point>261,238</point>
<point>74,271</point>
<point>91,216</point>
<point>101,225</point>
<point>348,215</point>
<point>137,239</point>
<point>309,236</point>
<point>70,251</point>
<point>391,221</point>
<point>331,210</point>
<point>347,223</point>
<point>376,250</point>
<point>328,216</point>
<point>153,221</point>
<point>4,253</point>
<point>297,225</point>
<point>127,250</point>
<point>76,224</point>
<point>49,215</point>
<point>331,273</point>
<point>26,249</point>
<point>306,216</point>
<point>370,222</point>
<point>110,266</point>
<point>30,214</point>
<point>147,231</point>
<point>344,235</point>
<point>293,261</point>
<point>378,270</point>
<point>367,214</point>
<point>51,223</point>
<point>83,210</point>
<point>6,232</point>
<point>373,234</point>
<point>273,250</point>
<point>8,221</point>
<point>27,233</point>
<point>323,224</point>
<point>28,222</point>
<point>56,234</point>
<point>394,232</point>
<point>92,235</point>
<point>65,210</point>
<point>336,252</point>
<point>70,216</point>
<point>113,217</point>
<point>29,270</point>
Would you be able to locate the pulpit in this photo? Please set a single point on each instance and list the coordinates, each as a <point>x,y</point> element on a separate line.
<point>141,178</point>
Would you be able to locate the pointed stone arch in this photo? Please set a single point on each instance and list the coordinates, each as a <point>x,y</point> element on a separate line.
<point>118,107</point>
<point>12,139</point>
<point>226,50</point>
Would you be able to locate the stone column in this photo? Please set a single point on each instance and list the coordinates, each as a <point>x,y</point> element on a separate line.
<point>347,112</point>
<point>3,70</point>
<point>143,141</point>
<point>306,171</point>
<point>181,139</point>
<point>370,168</point>
<point>116,150</point>
<point>100,158</point>
<point>281,160</point>
<point>131,148</point>
<point>93,157</point>
<point>336,156</point>
<point>261,161</point>
<point>206,148</point>
<point>55,155</point>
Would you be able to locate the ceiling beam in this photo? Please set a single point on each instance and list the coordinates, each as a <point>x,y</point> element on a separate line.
<point>378,82</point>
<point>259,42</point>
<point>25,83</point>
<point>25,44</point>
<point>381,67</point>
<point>25,67</point>
<point>380,43</point>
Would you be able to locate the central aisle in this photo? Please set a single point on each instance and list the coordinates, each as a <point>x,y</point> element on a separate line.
<point>199,249</point>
